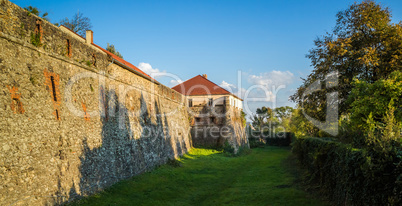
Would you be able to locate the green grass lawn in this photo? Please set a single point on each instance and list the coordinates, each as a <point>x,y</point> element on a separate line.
<point>266,176</point>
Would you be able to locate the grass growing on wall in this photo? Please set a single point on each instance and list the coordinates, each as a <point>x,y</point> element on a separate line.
<point>209,177</point>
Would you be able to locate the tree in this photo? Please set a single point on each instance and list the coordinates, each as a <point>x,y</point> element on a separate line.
<point>110,47</point>
<point>37,12</point>
<point>300,126</point>
<point>364,45</point>
<point>262,117</point>
<point>284,114</point>
<point>375,100</point>
<point>272,120</point>
<point>78,24</point>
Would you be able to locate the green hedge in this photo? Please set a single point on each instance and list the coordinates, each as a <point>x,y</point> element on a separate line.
<point>352,176</point>
<point>283,139</point>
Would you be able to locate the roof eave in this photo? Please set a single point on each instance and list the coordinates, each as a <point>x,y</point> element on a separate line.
<point>134,71</point>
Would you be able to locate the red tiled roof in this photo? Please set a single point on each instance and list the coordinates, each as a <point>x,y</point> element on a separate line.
<point>123,61</point>
<point>128,64</point>
<point>200,85</point>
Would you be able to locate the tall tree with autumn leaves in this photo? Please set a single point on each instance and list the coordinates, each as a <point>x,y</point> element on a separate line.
<point>364,45</point>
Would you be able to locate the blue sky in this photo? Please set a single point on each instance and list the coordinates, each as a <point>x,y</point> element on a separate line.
<point>266,40</point>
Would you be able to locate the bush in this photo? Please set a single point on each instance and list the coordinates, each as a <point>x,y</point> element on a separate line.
<point>283,139</point>
<point>352,176</point>
<point>256,142</point>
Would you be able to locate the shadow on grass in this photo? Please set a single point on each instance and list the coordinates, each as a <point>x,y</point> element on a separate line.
<point>208,177</point>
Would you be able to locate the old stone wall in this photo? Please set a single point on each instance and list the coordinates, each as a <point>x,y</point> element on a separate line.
<point>214,126</point>
<point>238,137</point>
<point>72,122</point>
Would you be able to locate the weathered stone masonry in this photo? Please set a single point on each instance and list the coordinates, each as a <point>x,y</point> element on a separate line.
<point>56,145</point>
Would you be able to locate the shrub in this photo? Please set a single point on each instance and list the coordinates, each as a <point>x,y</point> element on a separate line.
<point>282,139</point>
<point>375,99</point>
<point>352,176</point>
<point>227,148</point>
<point>256,142</point>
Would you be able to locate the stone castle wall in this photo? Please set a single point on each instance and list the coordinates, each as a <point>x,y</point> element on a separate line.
<point>218,125</point>
<point>72,121</point>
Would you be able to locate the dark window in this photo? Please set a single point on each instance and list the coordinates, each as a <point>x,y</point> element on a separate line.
<point>212,120</point>
<point>197,120</point>
<point>68,45</point>
<point>210,102</point>
<point>54,89</point>
<point>38,31</point>
<point>94,60</point>
<point>38,27</point>
<point>190,102</point>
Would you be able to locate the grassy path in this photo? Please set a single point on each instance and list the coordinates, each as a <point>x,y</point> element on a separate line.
<point>208,177</point>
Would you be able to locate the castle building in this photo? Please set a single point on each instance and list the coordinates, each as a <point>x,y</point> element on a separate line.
<point>216,114</point>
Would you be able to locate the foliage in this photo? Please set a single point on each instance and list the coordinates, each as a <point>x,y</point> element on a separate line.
<point>284,114</point>
<point>35,39</point>
<point>37,12</point>
<point>88,63</point>
<point>272,120</point>
<point>376,99</point>
<point>256,142</point>
<point>300,126</point>
<point>243,118</point>
<point>208,177</point>
<point>227,148</point>
<point>352,176</point>
<point>259,139</point>
<point>78,24</point>
<point>110,48</point>
<point>262,117</point>
<point>364,45</point>
<point>282,139</point>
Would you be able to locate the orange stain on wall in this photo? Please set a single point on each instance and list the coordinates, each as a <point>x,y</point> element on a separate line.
<point>86,116</point>
<point>52,82</point>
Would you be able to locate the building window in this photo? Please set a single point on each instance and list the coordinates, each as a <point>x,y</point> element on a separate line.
<point>197,120</point>
<point>210,102</point>
<point>94,60</point>
<point>190,102</point>
<point>212,120</point>
<point>68,47</point>
<point>37,38</point>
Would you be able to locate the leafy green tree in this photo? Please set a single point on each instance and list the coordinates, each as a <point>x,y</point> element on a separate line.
<point>37,12</point>
<point>110,47</point>
<point>263,116</point>
<point>272,120</point>
<point>376,99</point>
<point>283,114</point>
<point>300,126</point>
<point>78,24</point>
<point>364,45</point>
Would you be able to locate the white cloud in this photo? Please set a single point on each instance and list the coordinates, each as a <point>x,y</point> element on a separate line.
<point>227,85</point>
<point>175,82</point>
<point>233,89</point>
<point>270,79</point>
<point>147,68</point>
<point>265,89</point>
